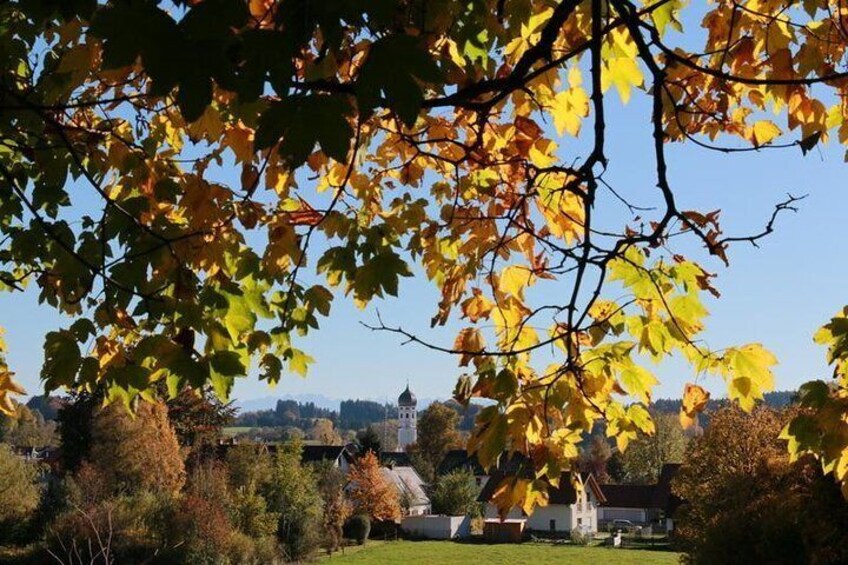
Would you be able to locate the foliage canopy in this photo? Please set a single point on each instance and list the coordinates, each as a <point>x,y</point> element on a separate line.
<point>377,138</point>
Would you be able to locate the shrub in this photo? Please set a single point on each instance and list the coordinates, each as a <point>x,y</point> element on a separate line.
<point>293,494</point>
<point>19,492</point>
<point>455,494</point>
<point>580,537</point>
<point>358,528</point>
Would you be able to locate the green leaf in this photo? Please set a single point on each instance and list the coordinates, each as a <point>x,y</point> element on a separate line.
<point>62,359</point>
<point>380,274</point>
<point>638,382</point>
<point>381,75</point>
<point>272,368</point>
<point>299,122</point>
<point>239,318</point>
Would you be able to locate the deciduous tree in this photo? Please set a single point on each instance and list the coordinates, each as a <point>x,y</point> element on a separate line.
<point>645,457</point>
<point>20,491</point>
<point>426,131</point>
<point>746,503</point>
<point>137,451</point>
<point>293,494</point>
<point>370,492</point>
<point>437,433</point>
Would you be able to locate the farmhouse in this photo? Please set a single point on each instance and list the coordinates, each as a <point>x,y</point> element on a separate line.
<point>342,456</point>
<point>568,508</point>
<point>642,504</point>
<point>411,489</point>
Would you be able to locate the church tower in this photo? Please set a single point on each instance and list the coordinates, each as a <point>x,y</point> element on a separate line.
<point>408,415</point>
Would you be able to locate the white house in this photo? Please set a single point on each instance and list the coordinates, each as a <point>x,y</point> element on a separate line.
<point>410,487</point>
<point>568,508</point>
<point>642,504</point>
<point>341,456</point>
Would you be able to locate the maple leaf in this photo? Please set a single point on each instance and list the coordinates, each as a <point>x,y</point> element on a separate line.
<point>695,400</point>
<point>8,386</point>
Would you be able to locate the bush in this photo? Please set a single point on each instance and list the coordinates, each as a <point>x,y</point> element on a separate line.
<point>20,493</point>
<point>358,528</point>
<point>455,494</point>
<point>580,537</point>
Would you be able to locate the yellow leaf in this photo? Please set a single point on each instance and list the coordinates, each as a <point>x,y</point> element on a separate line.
<point>624,73</point>
<point>469,341</point>
<point>763,132</point>
<point>477,307</point>
<point>695,400</point>
<point>569,108</point>
<point>750,371</point>
<point>514,279</point>
<point>8,386</point>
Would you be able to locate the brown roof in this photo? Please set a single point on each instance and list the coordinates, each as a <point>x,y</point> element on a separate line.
<point>663,497</point>
<point>629,496</point>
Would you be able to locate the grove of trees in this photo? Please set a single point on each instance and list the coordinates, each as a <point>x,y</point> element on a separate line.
<point>192,184</point>
<point>746,502</point>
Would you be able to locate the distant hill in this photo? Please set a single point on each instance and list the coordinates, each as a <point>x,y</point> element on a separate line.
<point>776,399</point>
<point>270,402</point>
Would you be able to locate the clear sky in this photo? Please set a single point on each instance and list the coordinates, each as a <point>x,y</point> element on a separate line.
<point>777,294</point>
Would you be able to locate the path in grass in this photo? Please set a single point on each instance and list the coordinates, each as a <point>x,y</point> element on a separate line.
<point>439,552</point>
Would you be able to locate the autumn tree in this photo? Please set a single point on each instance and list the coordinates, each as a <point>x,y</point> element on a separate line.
<point>323,431</point>
<point>645,457</point>
<point>440,136</point>
<point>744,502</point>
<point>137,451</point>
<point>370,492</point>
<point>437,433</point>
<point>198,416</point>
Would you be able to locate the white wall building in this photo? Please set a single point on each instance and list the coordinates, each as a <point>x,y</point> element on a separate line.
<point>568,508</point>
<point>408,419</point>
<point>437,526</point>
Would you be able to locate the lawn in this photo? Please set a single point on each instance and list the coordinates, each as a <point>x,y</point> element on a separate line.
<point>446,552</point>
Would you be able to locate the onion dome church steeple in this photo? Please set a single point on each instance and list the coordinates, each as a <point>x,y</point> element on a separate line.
<point>408,416</point>
<point>406,398</point>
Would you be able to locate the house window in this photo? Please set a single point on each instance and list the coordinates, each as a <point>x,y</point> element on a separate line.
<point>579,522</point>
<point>553,525</point>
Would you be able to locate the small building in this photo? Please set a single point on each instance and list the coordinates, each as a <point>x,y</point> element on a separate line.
<point>568,508</point>
<point>431,526</point>
<point>634,503</point>
<point>642,504</point>
<point>510,530</point>
<point>341,456</point>
<point>411,489</point>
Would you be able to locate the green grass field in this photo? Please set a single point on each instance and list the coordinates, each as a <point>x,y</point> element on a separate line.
<point>445,552</point>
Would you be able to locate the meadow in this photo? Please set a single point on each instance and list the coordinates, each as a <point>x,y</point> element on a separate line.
<point>449,553</point>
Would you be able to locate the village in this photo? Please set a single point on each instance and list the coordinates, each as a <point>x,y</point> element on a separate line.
<point>365,499</point>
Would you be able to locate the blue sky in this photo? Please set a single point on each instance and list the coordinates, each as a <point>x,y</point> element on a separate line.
<point>777,294</point>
